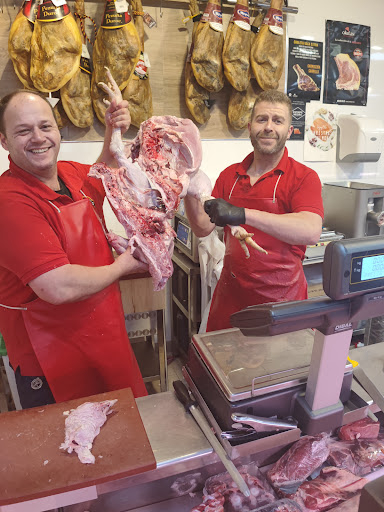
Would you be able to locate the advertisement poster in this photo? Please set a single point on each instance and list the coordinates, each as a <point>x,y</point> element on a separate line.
<point>305,68</point>
<point>347,60</point>
<point>320,133</point>
<point>298,120</point>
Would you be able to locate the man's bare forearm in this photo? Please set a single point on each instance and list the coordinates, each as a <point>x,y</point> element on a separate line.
<point>302,228</point>
<point>198,219</point>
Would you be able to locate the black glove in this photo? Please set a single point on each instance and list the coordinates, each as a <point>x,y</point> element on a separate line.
<point>222,213</point>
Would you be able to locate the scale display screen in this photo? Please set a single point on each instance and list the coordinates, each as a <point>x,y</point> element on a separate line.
<point>354,266</point>
<point>183,234</point>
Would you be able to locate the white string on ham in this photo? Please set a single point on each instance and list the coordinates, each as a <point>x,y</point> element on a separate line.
<point>156,170</point>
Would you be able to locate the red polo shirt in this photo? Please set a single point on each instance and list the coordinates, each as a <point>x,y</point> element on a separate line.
<point>298,190</point>
<point>33,243</point>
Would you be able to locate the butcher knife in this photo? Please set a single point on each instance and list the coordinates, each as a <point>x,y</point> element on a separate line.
<point>191,406</point>
<point>366,383</point>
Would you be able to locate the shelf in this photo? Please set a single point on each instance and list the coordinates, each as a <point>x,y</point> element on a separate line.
<point>186,264</point>
<point>147,359</point>
<point>180,306</point>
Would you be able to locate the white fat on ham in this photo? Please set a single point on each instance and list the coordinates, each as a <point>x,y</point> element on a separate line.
<point>82,426</point>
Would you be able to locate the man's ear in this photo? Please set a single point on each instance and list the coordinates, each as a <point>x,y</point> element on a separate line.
<point>3,141</point>
<point>290,132</point>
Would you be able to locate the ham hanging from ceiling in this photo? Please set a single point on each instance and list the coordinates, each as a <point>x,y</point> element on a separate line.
<point>55,47</point>
<point>267,50</point>
<point>196,97</point>
<point>117,46</point>
<point>206,60</point>
<point>19,43</point>
<point>237,46</point>
<point>138,92</point>
<point>76,93</point>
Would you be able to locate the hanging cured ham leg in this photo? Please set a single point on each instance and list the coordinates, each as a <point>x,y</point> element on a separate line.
<point>267,50</point>
<point>19,44</point>
<point>237,46</point>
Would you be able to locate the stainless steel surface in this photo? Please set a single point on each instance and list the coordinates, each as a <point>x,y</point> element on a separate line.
<point>353,208</point>
<point>263,424</point>
<point>224,457</point>
<point>369,386</point>
<point>251,366</point>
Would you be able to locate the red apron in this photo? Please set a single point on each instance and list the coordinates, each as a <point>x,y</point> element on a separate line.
<point>83,347</point>
<point>274,277</point>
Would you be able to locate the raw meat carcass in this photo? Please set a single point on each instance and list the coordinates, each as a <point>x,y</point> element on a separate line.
<point>267,49</point>
<point>55,51</point>
<point>237,46</point>
<point>82,426</point>
<point>351,505</point>
<point>76,93</point>
<point>240,105</point>
<point>138,92</point>
<point>361,429</point>
<point>19,47</point>
<point>300,461</point>
<point>360,456</point>
<point>118,49</point>
<point>207,50</point>
<point>330,488</point>
<point>349,73</point>
<point>196,97</point>
<point>304,82</point>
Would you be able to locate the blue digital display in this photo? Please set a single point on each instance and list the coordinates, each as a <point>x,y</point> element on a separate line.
<point>183,234</point>
<point>372,267</point>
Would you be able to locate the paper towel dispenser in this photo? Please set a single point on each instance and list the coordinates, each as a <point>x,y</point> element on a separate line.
<point>359,138</point>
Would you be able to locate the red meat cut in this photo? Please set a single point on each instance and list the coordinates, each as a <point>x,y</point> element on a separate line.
<point>330,488</point>
<point>299,462</point>
<point>360,456</point>
<point>349,73</point>
<point>361,429</point>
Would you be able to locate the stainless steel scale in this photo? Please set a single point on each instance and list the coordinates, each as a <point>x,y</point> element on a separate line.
<point>296,372</point>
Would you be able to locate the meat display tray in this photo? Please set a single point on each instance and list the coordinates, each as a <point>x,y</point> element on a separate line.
<point>254,375</point>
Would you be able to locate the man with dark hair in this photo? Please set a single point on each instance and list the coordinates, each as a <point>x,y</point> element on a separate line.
<point>272,196</point>
<point>61,314</point>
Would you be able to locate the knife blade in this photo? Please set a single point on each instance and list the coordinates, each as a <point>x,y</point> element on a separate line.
<point>191,406</point>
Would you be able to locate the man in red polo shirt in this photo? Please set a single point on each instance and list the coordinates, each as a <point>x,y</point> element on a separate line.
<point>61,313</point>
<point>272,196</point>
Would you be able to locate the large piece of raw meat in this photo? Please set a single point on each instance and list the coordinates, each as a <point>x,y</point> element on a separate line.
<point>19,48</point>
<point>330,488</point>
<point>82,426</point>
<point>138,92</point>
<point>300,461</point>
<point>360,456</point>
<point>196,96</point>
<point>119,50</point>
<point>207,50</point>
<point>360,429</point>
<point>237,46</point>
<point>76,93</point>
<point>349,73</point>
<point>55,53</point>
<point>267,50</point>
<point>163,164</point>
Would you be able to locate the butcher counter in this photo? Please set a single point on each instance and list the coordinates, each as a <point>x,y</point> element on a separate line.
<point>184,458</point>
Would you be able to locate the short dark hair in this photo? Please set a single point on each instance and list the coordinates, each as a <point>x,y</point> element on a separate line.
<point>273,96</point>
<point>4,102</point>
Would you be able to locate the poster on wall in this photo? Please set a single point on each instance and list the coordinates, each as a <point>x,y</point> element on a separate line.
<point>305,61</point>
<point>320,133</point>
<point>298,120</point>
<point>347,60</point>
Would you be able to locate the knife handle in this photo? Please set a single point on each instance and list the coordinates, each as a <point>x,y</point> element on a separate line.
<point>183,395</point>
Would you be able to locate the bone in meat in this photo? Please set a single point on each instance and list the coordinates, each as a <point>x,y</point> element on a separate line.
<point>19,48</point>
<point>267,52</point>
<point>304,82</point>
<point>55,53</point>
<point>207,51</point>
<point>76,93</point>
<point>349,73</point>
<point>82,426</point>
<point>196,96</point>
<point>237,45</point>
<point>138,92</point>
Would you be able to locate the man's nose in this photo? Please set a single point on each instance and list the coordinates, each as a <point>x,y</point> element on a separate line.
<point>268,125</point>
<point>38,134</point>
